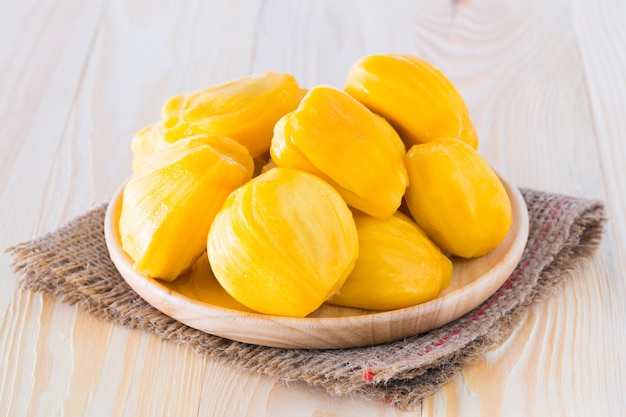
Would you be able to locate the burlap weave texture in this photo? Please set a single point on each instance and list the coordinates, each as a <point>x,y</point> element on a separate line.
<point>73,263</point>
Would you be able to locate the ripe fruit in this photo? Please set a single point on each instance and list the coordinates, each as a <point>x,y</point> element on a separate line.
<point>415,97</point>
<point>244,109</point>
<point>333,136</point>
<point>456,198</point>
<point>398,266</point>
<point>283,243</point>
<point>169,205</point>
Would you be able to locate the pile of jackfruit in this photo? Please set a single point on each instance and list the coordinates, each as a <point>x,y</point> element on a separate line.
<point>357,197</point>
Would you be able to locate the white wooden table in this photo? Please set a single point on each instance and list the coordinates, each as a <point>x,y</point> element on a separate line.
<point>545,82</point>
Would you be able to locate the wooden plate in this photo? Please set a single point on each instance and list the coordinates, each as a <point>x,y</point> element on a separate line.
<point>473,281</point>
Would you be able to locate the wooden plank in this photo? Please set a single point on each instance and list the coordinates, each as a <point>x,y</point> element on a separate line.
<point>43,51</point>
<point>142,54</point>
<point>525,83</point>
<point>317,41</point>
<point>603,24</point>
<point>602,43</point>
<point>547,101</point>
<point>517,65</point>
<point>47,48</point>
<point>16,342</point>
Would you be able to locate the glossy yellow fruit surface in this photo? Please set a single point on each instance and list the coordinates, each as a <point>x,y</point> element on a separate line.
<point>457,198</point>
<point>169,205</point>
<point>415,97</point>
<point>283,243</point>
<point>398,266</point>
<point>333,136</point>
<point>245,110</point>
<point>145,143</point>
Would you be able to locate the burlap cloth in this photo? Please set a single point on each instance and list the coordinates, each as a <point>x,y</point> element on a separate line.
<point>73,263</point>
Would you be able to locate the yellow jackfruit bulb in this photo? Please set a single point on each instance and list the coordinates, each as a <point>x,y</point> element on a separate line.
<point>415,97</point>
<point>335,137</point>
<point>145,143</point>
<point>283,243</point>
<point>169,205</point>
<point>398,266</point>
<point>457,198</point>
<point>244,109</point>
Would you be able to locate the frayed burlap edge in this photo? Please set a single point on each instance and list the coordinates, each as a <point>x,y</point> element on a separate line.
<point>72,263</point>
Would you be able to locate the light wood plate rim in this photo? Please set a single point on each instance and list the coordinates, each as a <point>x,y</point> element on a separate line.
<point>344,331</point>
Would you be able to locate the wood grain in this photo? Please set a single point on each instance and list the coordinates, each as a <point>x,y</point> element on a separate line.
<point>545,87</point>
